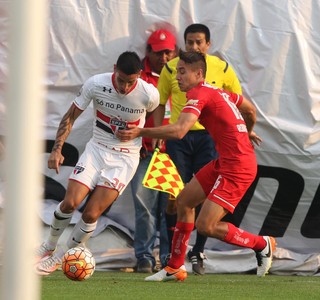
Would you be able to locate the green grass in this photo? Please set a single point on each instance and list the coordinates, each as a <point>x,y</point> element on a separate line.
<point>120,285</point>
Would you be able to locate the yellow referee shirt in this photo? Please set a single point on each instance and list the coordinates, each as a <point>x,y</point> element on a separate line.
<point>219,74</point>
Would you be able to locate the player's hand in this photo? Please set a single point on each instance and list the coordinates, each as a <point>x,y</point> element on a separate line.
<point>255,138</point>
<point>125,135</point>
<point>55,160</point>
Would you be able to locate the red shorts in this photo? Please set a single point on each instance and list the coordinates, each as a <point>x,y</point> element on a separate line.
<point>225,188</point>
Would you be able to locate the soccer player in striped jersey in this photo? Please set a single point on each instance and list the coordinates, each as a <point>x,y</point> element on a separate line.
<point>107,165</point>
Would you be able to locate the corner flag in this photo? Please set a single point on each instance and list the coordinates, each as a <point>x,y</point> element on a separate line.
<point>162,175</point>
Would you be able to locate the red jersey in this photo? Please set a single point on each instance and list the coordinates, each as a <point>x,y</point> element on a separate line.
<point>218,113</point>
<point>151,77</point>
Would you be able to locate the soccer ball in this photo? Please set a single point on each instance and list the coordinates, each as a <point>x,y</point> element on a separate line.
<point>78,264</point>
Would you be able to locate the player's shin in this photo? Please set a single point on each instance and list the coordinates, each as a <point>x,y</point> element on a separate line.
<point>180,243</point>
<point>242,238</point>
<point>59,223</point>
<point>81,233</point>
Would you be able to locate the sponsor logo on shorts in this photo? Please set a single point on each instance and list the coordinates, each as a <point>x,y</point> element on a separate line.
<point>216,184</point>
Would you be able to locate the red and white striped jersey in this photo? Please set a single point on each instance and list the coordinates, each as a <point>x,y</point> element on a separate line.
<point>113,111</point>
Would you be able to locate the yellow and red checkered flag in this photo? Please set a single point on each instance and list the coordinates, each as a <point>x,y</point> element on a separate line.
<point>162,175</point>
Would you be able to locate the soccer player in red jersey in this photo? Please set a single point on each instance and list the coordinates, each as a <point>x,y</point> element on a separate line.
<point>221,184</point>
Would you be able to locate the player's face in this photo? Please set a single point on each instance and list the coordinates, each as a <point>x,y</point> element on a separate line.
<point>187,76</point>
<point>124,82</point>
<point>197,42</point>
<point>159,59</point>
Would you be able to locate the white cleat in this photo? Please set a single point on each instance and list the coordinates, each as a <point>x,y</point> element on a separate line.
<point>264,257</point>
<point>48,265</point>
<point>169,274</point>
<point>42,252</point>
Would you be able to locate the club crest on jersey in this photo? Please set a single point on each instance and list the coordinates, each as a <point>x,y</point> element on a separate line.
<point>117,124</point>
<point>193,102</point>
<point>78,169</point>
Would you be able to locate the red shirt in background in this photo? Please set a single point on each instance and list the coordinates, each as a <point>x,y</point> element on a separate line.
<point>152,77</point>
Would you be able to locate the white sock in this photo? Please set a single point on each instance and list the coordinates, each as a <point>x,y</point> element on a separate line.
<point>59,223</point>
<point>81,233</point>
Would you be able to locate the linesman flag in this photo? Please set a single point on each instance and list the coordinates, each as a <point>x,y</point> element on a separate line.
<point>162,175</point>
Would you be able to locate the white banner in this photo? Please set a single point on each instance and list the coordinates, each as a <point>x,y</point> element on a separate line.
<point>274,47</point>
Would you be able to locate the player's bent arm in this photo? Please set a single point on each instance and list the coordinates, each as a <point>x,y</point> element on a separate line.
<point>248,111</point>
<point>65,126</point>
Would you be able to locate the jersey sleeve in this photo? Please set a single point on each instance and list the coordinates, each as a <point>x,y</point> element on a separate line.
<point>164,84</point>
<point>153,99</point>
<point>195,102</point>
<point>231,82</point>
<point>237,99</point>
<point>190,107</point>
<point>85,95</point>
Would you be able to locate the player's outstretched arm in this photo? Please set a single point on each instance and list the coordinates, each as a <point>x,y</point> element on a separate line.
<point>172,131</point>
<point>56,158</point>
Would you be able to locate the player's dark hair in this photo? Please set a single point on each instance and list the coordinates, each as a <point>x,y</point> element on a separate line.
<point>194,58</point>
<point>196,28</point>
<point>129,63</point>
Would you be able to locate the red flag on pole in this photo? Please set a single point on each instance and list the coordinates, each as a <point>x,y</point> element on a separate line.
<point>162,175</point>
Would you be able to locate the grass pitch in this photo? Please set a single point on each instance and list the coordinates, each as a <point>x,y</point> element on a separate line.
<point>121,285</point>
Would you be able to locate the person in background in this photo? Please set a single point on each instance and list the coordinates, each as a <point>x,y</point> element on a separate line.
<point>221,184</point>
<point>107,165</point>
<point>150,204</point>
<point>196,148</point>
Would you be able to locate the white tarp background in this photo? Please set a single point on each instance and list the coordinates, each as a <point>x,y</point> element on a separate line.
<point>274,47</point>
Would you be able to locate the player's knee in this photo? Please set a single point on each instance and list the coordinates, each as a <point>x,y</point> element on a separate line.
<point>201,228</point>
<point>183,206</point>
<point>205,229</point>
<point>68,206</point>
<point>90,216</point>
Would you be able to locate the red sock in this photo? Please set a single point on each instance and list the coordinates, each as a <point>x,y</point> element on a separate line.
<point>239,237</point>
<point>180,243</point>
